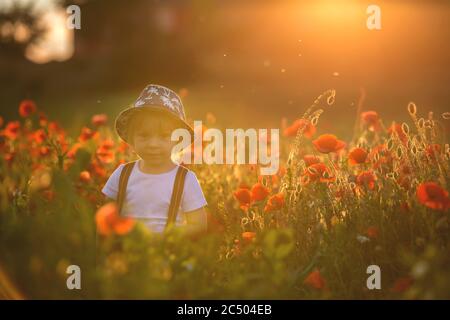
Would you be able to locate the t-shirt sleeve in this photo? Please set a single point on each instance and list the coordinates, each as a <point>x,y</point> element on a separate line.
<point>193,197</point>
<point>111,187</point>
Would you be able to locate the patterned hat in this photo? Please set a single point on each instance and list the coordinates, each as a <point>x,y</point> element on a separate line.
<point>153,97</point>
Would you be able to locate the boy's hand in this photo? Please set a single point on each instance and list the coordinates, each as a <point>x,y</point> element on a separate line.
<point>196,222</point>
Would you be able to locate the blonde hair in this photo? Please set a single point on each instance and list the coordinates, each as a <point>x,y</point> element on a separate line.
<point>159,120</point>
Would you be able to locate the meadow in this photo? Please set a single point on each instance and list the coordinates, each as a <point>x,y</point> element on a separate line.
<point>310,231</point>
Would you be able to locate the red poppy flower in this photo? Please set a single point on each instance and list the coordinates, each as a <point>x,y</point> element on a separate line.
<point>275,202</point>
<point>357,156</point>
<point>11,130</point>
<point>123,146</point>
<point>38,136</point>
<point>397,128</point>
<point>98,170</point>
<point>43,121</point>
<point>99,119</point>
<point>244,196</point>
<point>327,143</point>
<point>310,159</point>
<point>259,192</point>
<point>105,153</point>
<point>319,172</point>
<point>248,236</point>
<point>371,120</point>
<point>308,128</point>
<point>366,179</point>
<point>108,221</point>
<point>9,157</point>
<point>26,108</point>
<point>402,284</point>
<point>372,232</point>
<point>315,280</point>
<point>54,127</point>
<point>433,196</point>
<point>85,134</point>
<point>44,151</point>
<point>380,156</point>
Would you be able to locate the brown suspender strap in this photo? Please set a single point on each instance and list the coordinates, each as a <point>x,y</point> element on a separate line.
<point>177,193</point>
<point>123,181</point>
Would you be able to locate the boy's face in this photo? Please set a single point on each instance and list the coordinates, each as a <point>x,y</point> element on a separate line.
<point>150,138</point>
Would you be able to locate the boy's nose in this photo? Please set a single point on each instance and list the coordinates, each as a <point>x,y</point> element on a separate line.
<point>153,141</point>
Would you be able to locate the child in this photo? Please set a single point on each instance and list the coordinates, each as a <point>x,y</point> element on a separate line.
<point>151,189</point>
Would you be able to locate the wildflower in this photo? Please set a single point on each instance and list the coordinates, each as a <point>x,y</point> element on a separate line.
<point>433,196</point>
<point>402,284</point>
<point>244,196</point>
<point>274,203</point>
<point>26,108</point>
<point>380,157</point>
<point>73,150</point>
<point>248,236</point>
<point>308,129</point>
<point>327,143</point>
<point>108,221</point>
<point>105,153</point>
<point>123,146</point>
<point>372,232</point>
<point>43,121</point>
<point>357,156</point>
<point>367,179</point>
<point>371,120</point>
<point>310,159</point>
<point>315,280</point>
<point>397,128</point>
<point>44,151</point>
<point>259,192</point>
<point>85,134</point>
<point>38,136</point>
<point>99,120</point>
<point>98,170</point>
<point>11,130</point>
<point>319,172</point>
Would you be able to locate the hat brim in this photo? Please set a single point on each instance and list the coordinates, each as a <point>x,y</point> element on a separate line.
<point>122,121</point>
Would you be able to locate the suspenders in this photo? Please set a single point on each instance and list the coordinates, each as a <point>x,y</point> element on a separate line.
<point>177,191</point>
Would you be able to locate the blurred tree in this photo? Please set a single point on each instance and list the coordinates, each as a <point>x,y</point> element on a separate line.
<point>19,28</point>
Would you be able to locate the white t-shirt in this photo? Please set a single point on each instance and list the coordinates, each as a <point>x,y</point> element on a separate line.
<point>148,196</point>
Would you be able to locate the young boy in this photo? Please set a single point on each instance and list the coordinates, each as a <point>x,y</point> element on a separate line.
<point>150,192</point>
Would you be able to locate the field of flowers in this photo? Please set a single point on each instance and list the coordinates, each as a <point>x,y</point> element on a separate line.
<point>334,208</point>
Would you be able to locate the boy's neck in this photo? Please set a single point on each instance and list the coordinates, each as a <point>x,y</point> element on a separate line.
<point>155,169</point>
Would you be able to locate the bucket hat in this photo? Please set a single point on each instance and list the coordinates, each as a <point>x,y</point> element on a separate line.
<point>153,97</point>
